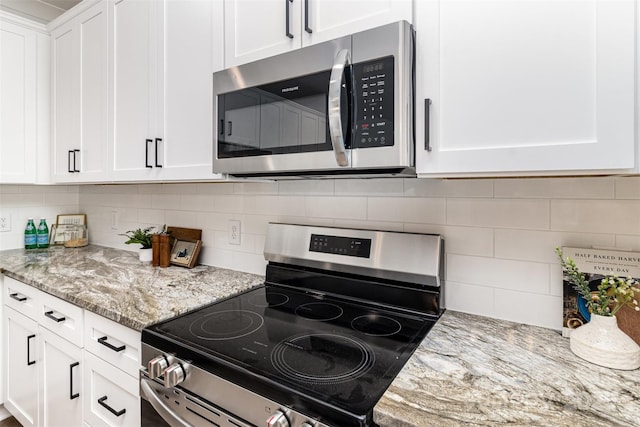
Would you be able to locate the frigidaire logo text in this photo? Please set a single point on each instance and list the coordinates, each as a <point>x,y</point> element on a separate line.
<point>290,89</point>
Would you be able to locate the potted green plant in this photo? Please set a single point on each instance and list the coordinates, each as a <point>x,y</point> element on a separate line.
<point>143,237</point>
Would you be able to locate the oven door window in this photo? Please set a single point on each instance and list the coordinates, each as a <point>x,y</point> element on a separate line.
<point>278,118</point>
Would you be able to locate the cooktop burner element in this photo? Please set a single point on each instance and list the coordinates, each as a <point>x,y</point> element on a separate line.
<point>374,325</point>
<point>322,358</point>
<point>319,311</point>
<point>226,325</point>
<point>272,299</point>
<point>340,313</point>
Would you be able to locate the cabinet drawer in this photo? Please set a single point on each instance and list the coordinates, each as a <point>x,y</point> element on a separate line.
<point>22,298</point>
<point>112,342</point>
<point>111,396</point>
<point>61,317</point>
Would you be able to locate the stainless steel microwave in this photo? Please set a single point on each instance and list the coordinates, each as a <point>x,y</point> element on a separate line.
<point>339,108</point>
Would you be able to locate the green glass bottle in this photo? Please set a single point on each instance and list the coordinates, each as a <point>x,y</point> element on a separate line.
<point>42,234</point>
<point>30,235</point>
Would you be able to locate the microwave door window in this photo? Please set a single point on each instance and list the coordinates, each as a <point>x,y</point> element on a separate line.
<point>279,118</point>
<point>238,124</point>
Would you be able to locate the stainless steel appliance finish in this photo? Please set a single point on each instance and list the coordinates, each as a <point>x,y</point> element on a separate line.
<point>340,313</point>
<point>279,132</point>
<point>407,257</point>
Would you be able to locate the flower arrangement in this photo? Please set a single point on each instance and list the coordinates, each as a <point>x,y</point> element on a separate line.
<point>141,236</point>
<point>613,292</point>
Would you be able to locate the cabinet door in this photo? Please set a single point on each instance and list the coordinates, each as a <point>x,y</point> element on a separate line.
<point>112,398</point>
<point>191,55</point>
<point>134,89</point>
<point>61,373</point>
<point>324,20</point>
<point>94,64</point>
<point>21,354</point>
<point>17,104</point>
<point>528,86</point>
<point>65,92</point>
<point>256,29</point>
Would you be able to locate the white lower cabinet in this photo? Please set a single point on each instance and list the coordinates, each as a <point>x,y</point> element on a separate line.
<point>112,397</point>
<point>21,367</point>
<point>64,366</point>
<point>61,392</point>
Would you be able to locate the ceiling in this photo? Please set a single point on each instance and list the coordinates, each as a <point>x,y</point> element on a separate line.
<point>41,11</point>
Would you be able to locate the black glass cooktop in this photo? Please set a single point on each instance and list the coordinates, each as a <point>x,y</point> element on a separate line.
<point>310,346</point>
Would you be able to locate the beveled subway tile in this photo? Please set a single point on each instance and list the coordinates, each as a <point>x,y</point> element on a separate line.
<point>521,276</point>
<point>596,216</point>
<point>499,213</point>
<point>430,187</point>
<point>556,188</point>
<point>540,246</point>
<point>406,209</point>
<point>336,207</point>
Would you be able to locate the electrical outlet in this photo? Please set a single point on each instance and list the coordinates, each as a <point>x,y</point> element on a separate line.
<point>234,232</point>
<point>114,220</point>
<point>5,222</point>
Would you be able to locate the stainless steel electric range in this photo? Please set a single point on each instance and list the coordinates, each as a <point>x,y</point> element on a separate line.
<point>340,313</point>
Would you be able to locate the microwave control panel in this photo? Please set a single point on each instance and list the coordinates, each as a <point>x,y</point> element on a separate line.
<point>373,81</point>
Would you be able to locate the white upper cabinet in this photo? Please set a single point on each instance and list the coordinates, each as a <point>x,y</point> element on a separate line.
<point>135,95</point>
<point>165,53</point>
<point>256,29</point>
<point>527,87</point>
<point>324,20</point>
<point>24,99</point>
<point>80,97</point>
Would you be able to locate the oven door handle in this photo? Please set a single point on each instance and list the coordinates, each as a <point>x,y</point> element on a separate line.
<point>335,114</point>
<point>165,412</point>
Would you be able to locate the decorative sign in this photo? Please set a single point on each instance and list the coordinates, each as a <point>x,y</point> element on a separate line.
<point>596,264</point>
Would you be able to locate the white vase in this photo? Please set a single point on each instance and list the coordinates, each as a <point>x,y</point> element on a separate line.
<point>145,255</point>
<point>601,342</point>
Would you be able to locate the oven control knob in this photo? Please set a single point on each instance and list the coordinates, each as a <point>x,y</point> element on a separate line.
<point>156,366</point>
<point>174,375</point>
<point>277,419</point>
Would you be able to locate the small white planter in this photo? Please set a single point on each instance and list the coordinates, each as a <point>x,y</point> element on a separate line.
<point>145,255</point>
<point>601,342</point>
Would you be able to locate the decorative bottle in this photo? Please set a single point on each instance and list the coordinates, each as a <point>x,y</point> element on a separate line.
<point>30,235</point>
<point>42,234</point>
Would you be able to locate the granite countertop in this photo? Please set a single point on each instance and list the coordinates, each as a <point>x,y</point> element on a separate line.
<point>469,370</point>
<point>115,284</point>
<point>477,371</point>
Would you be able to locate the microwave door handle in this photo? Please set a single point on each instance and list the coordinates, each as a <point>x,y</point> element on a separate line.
<point>335,115</point>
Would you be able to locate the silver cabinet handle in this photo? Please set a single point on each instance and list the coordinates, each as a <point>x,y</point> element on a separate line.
<point>335,115</point>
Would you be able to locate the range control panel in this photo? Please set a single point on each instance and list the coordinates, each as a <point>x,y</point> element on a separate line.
<point>349,246</point>
<point>374,103</point>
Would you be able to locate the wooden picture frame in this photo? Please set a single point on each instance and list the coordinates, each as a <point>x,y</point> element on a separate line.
<point>64,224</point>
<point>184,252</point>
<point>71,219</point>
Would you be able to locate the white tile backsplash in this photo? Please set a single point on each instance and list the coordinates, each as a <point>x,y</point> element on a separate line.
<point>540,246</point>
<point>407,209</point>
<point>556,188</point>
<point>520,276</point>
<point>499,213</point>
<point>596,216</point>
<point>499,234</point>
